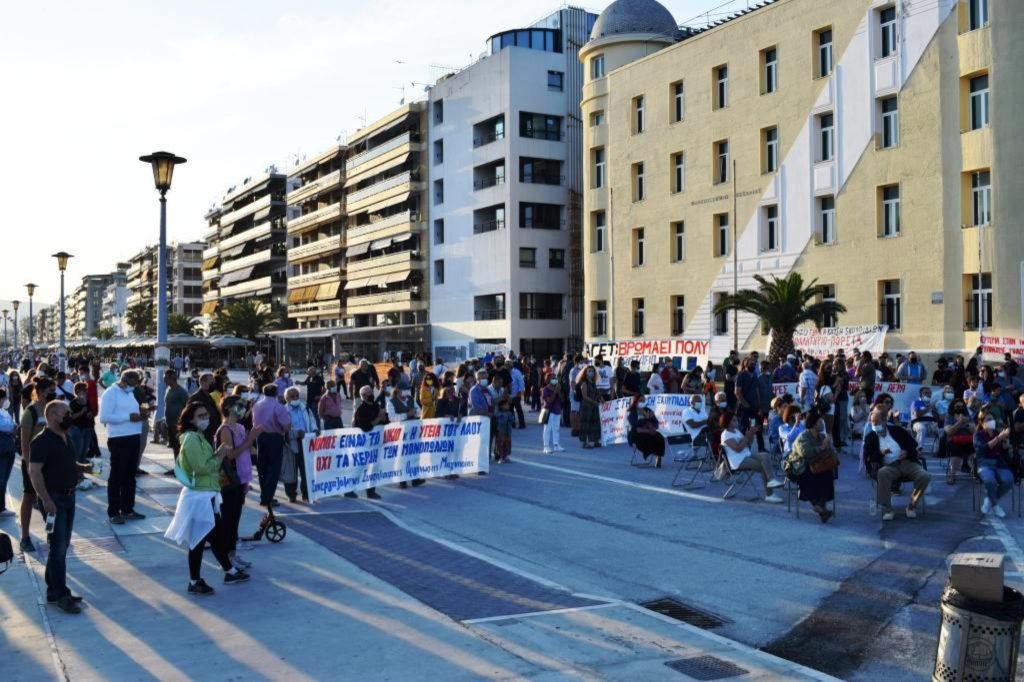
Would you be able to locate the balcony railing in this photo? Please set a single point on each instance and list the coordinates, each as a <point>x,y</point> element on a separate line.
<point>247,210</point>
<point>542,223</point>
<point>315,308</point>
<point>261,256</point>
<point>246,287</point>
<point>540,314</point>
<point>320,215</point>
<point>404,296</point>
<point>391,259</point>
<point>370,154</point>
<point>382,186</point>
<point>314,277</point>
<point>551,135</point>
<point>483,183</point>
<point>247,235</point>
<point>489,314</point>
<point>390,221</point>
<point>483,139</point>
<point>323,245</point>
<point>543,179</point>
<point>489,226</point>
<point>316,186</point>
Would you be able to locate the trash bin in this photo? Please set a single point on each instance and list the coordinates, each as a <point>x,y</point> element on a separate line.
<point>978,640</point>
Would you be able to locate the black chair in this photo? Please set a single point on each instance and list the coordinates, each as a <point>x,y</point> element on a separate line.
<point>691,454</point>
<point>873,475</point>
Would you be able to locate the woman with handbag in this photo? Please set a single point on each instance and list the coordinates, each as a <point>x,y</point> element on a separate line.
<point>236,470</point>
<point>959,431</point>
<point>551,415</point>
<point>197,516</point>
<point>813,466</point>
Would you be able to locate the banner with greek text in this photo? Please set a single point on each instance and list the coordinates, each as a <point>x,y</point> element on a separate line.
<point>684,353</point>
<point>346,460</point>
<point>819,343</point>
<point>668,408</point>
<point>995,347</point>
<point>903,394</point>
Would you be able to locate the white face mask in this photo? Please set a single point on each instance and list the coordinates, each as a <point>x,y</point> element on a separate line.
<point>723,405</point>
<point>484,382</point>
<point>696,406</point>
<point>990,424</point>
<point>203,424</point>
<point>947,396</point>
<point>296,403</point>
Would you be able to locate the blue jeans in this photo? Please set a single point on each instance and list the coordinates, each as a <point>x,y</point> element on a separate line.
<point>997,481</point>
<point>81,439</point>
<point>59,540</point>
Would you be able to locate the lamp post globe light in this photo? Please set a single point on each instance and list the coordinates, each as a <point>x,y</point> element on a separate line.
<point>15,304</point>
<point>62,351</point>
<point>163,164</point>
<point>31,336</point>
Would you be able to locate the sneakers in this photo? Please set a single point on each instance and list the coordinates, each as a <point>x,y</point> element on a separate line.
<point>200,588</point>
<point>26,545</point>
<point>236,577</point>
<point>134,516</point>
<point>889,515</point>
<point>68,605</point>
<point>558,448</point>
<point>547,451</point>
<point>238,562</point>
<point>774,499</point>
<point>986,506</point>
<point>911,513</point>
<point>117,520</point>
<point>999,511</point>
<point>776,483</point>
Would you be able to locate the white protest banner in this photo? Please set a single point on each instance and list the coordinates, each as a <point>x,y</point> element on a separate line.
<point>689,352</point>
<point>819,343</point>
<point>995,348</point>
<point>668,408</point>
<point>903,394</point>
<point>346,460</point>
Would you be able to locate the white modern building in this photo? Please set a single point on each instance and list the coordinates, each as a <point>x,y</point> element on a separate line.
<point>505,194</point>
<point>115,300</point>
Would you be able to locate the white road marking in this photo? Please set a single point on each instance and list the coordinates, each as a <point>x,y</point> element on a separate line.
<point>1013,550</point>
<point>619,481</point>
<point>531,614</point>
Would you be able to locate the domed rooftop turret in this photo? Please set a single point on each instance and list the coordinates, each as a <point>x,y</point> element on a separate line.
<point>634,16</point>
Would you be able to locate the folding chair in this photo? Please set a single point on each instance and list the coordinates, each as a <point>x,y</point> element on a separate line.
<point>792,486</point>
<point>637,459</point>
<point>693,454</point>
<point>922,505</point>
<point>738,480</point>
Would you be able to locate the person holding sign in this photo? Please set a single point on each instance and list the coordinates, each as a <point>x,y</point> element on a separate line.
<point>367,415</point>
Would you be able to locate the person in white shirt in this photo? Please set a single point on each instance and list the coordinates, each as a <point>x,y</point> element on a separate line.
<point>604,379</point>
<point>806,383</point>
<point>120,412</point>
<point>655,386</point>
<point>695,419</point>
<point>736,448</point>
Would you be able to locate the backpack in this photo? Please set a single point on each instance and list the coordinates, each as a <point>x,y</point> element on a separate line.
<point>6,552</point>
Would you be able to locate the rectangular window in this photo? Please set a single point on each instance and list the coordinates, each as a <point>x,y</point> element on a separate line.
<point>721,162</point>
<point>439,231</point>
<point>597,118</point>
<point>527,257</point>
<point>678,102</point>
<point>556,259</point>
<point>979,305</point>
<point>981,197</point>
<point>489,307</point>
<point>890,304</point>
<point>771,149</point>
<point>639,248</point>
<point>770,229</point>
<point>826,137</point>
<point>540,126</point>
<point>721,87</point>
<point>489,219</point>
<point>828,295</point>
<point>887,31</point>
<point>599,166</point>
<point>597,67</point>
<point>977,14</point>
<point>639,317</point>
<point>540,306</point>
<point>439,271</point>
<point>600,322</point>
<point>722,234</point>
<point>890,211</point>
<point>599,225</point>
<point>770,71</point>
<point>638,114</point>
<point>488,131</point>
<point>438,192</point>
<point>824,52</point>
<point>438,152</point>
<point>679,174</point>
<point>439,111</point>
<point>556,80</point>
<point>540,171</point>
<point>890,123</point>
<point>678,315</point>
<point>721,318</point>
<point>827,220</point>
<point>979,102</point>
<point>540,216</point>
<point>678,242</point>
<point>638,182</point>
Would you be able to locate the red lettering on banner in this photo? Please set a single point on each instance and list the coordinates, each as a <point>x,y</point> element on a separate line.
<point>430,431</point>
<point>323,463</point>
<point>392,435</point>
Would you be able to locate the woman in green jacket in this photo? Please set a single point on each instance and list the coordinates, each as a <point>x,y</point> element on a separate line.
<point>197,517</point>
<point>812,447</point>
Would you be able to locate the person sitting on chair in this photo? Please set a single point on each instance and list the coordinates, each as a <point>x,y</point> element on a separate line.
<point>643,432</point>
<point>736,448</point>
<point>959,432</point>
<point>891,452</point>
<point>695,419</point>
<point>994,460</point>
<point>924,416</point>
<point>813,452</point>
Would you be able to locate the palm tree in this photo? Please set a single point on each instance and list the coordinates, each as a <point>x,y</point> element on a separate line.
<point>783,305</point>
<point>245,319</point>
<point>140,317</point>
<point>104,333</point>
<point>178,323</point>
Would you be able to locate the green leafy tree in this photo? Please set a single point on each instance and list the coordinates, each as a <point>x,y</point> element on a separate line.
<point>104,333</point>
<point>783,305</point>
<point>140,317</point>
<point>178,323</point>
<point>245,319</point>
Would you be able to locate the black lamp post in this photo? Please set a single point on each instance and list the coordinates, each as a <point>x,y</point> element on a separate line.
<point>62,351</point>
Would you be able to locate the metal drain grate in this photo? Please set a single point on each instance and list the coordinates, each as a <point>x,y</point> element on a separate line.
<point>685,613</point>
<point>706,668</point>
<point>86,548</point>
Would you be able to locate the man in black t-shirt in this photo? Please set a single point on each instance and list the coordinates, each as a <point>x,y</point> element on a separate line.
<point>631,384</point>
<point>368,415</point>
<point>54,470</point>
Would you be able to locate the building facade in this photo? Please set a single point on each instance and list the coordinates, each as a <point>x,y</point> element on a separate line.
<point>245,254</point>
<point>505,194</point>
<point>115,300</point>
<point>85,309</point>
<point>866,144</point>
<point>184,278</point>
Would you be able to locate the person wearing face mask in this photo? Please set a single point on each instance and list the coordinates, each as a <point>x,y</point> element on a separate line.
<point>368,415</point>
<point>959,430</point>
<point>736,449</point>
<point>54,472</point>
<point>428,395</point>
<point>550,417</point>
<point>293,466</point>
<point>237,470</point>
<point>283,380</point>
<point>329,407</point>
<point>643,431</point>
<point>274,422</point>
<point>924,416</point>
<point>695,419</point>
<point>891,456</point>
<point>590,409</point>
<point>120,412</point>
<point>809,463</point>
<point>315,387</point>
<point>859,412</point>
<point>204,396</point>
<point>175,398</point>
<point>199,514</point>
<point>943,402</point>
<point>7,450</point>
<point>994,462</point>
<point>82,430</point>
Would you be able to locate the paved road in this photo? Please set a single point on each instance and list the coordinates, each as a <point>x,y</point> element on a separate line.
<point>582,534</point>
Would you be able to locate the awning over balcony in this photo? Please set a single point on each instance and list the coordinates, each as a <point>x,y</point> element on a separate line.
<point>395,163</point>
<point>211,263</point>
<point>303,294</point>
<point>404,196</point>
<point>358,249</point>
<point>209,308</point>
<point>236,276</point>
<point>233,251</point>
<point>397,277</point>
<point>398,239</point>
<point>328,292</point>
<point>355,284</point>
<point>375,281</point>
<point>261,214</point>
<point>381,244</point>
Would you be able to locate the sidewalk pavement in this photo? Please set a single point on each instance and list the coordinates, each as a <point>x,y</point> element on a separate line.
<point>309,614</point>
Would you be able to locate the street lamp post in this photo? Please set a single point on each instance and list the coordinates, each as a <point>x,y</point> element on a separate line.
<point>5,312</point>
<point>62,351</point>
<point>31,336</point>
<point>15,305</point>
<point>163,164</point>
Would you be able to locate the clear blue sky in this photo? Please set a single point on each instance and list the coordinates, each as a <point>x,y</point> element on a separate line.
<point>233,85</point>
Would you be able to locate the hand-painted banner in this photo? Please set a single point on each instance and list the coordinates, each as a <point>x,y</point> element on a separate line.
<point>995,348</point>
<point>685,353</point>
<point>819,343</point>
<point>668,408</point>
<point>346,460</point>
<point>903,394</point>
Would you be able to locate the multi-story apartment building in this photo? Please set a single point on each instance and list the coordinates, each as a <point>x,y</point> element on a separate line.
<point>85,309</point>
<point>245,254</point>
<point>505,196</point>
<point>115,300</point>
<point>867,144</point>
<point>184,277</point>
<point>384,298</point>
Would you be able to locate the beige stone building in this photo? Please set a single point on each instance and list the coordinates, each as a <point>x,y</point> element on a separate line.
<point>868,144</point>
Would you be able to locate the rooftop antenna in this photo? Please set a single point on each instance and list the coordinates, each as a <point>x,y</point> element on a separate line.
<point>402,88</point>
